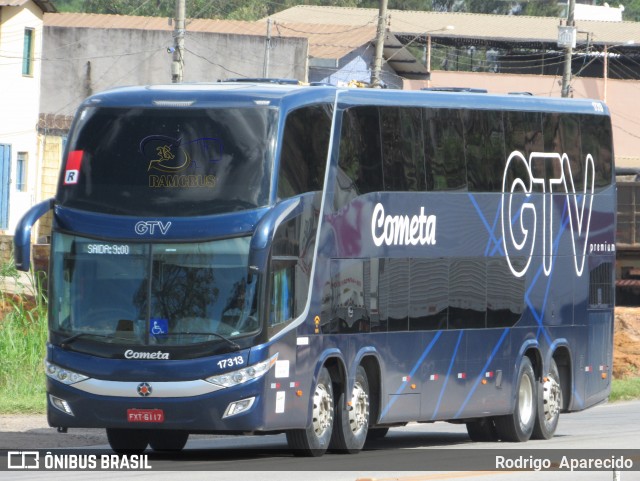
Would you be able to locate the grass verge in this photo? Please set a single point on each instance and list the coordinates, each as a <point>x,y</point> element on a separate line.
<point>625,389</point>
<point>23,335</point>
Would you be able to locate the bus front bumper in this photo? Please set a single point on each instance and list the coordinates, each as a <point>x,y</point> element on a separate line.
<point>235,409</point>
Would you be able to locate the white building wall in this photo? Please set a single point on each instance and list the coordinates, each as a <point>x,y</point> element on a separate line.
<point>19,101</point>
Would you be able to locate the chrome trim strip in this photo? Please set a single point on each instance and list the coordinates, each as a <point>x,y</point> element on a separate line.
<point>159,389</point>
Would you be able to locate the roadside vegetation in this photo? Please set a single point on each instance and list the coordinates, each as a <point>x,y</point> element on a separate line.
<point>23,335</point>
<point>625,389</point>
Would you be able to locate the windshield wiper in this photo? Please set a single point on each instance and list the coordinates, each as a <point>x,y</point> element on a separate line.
<point>66,343</point>
<point>219,336</point>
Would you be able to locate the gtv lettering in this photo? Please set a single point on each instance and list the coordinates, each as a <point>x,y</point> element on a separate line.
<point>521,219</point>
<point>149,227</point>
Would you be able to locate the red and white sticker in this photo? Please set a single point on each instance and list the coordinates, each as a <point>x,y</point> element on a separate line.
<point>72,171</point>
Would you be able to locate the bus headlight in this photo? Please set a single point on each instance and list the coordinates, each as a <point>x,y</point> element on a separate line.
<point>62,375</point>
<point>233,378</point>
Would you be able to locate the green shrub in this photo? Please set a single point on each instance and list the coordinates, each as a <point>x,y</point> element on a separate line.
<point>23,336</point>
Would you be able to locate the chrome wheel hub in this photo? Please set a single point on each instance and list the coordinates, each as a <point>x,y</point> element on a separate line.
<point>552,397</point>
<point>322,410</point>
<point>359,414</point>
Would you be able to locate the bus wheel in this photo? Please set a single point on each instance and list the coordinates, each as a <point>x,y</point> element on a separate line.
<point>314,440</point>
<point>549,405</point>
<point>518,426</point>
<point>168,440</point>
<point>128,441</point>
<point>352,422</point>
<point>482,430</point>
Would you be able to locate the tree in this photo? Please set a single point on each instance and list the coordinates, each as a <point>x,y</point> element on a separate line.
<point>631,11</point>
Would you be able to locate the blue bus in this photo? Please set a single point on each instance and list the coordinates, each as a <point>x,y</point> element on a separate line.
<point>328,263</point>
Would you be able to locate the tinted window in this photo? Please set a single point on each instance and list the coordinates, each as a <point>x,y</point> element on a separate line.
<point>168,162</point>
<point>446,166</point>
<point>360,163</point>
<point>467,293</point>
<point>402,149</point>
<point>304,150</point>
<point>428,294</point>
<point>505,293</point>
<point>523,133</point>
<point>596,140</point>
<point>484,149</point>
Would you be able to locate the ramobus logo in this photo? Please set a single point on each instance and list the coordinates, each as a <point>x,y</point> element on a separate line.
<point>402,229</point>
<point>131,354</point>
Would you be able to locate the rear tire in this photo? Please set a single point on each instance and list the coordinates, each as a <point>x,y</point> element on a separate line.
<point>549,404</point>
<point>128,441</point>
<point>351,425</point>
<point>482,430</point>
<point>376,433</point>
<point>518,426</point>
<point>314,440</point>
<point>173,441</point>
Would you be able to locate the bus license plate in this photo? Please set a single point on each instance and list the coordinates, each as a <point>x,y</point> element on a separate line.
<point>145,415</point>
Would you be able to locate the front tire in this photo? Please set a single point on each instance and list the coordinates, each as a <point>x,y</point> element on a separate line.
<point>128,441</point>
<point>171,441</point>
<point>351,425</point>
<point>314,440</point>
<point>549,404</point>
<point>518,426</point>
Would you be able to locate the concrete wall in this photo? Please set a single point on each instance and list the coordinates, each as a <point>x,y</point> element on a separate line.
<point>19,96</point>
<point>82,61</point>
<point>621,97</point>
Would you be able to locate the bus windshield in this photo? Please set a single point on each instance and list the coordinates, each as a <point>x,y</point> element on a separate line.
<point>168,162</point>
<point>158,294</point>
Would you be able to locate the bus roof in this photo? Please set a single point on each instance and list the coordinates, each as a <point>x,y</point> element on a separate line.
<point>220,94</point>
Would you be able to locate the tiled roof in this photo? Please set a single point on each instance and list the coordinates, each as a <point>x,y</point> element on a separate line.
<point>498,28</point>
<point>45,5</point>
<point>325,41</point>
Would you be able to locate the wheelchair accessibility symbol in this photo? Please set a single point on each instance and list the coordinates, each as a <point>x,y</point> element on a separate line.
<point>159,327</point>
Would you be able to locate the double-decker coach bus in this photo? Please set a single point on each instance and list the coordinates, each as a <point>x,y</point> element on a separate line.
<point>328,263</point>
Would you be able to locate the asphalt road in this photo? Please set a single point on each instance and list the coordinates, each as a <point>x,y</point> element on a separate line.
<point>410,453</point>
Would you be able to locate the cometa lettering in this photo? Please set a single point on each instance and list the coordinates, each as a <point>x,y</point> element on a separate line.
<point>402,229</point>
<point>131,354</point>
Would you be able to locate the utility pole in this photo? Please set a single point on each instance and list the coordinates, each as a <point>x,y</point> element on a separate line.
<point>267,48</point>
<point>566,76</point>
<point>177,65</point>
<point>380,36</point>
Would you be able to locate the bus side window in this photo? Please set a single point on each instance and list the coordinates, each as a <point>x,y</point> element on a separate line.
<point>360,161</point>
<point>402,149</point>
<point>484,149</point>
<point>523,133</point>
<point>444,150</point>
<point>304,150</point>
<point>596,135</point>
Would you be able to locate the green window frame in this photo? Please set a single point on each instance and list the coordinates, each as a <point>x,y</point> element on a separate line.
<point>27,54</point>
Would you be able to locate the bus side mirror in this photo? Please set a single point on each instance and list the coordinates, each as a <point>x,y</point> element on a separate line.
<point>22,236</point>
